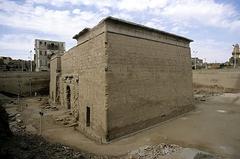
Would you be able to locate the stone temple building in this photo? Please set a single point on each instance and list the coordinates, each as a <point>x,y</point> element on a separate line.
<point>44,49</point>
<point>122,77</point>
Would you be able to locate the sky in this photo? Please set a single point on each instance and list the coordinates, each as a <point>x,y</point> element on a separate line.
<point>214,25</point>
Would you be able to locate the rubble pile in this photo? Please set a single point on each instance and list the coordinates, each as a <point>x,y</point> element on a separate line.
<point>25,145</point>
<point>67,119</point>
<point>16,123</point>
<point>46,106</point>
<point>201,95</point>
<point>154,151</point>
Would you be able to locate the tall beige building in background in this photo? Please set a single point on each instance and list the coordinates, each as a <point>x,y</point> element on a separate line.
<point>44,49</point>
<point>122,77</point>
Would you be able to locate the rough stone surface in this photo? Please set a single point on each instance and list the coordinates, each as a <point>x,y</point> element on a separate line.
<point>23,82</point>
<point>128,77</point>
<point>222,80</point>
<point>154,151</point>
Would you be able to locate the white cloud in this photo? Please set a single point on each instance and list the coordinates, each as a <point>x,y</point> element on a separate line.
<point>16,46</point>
<point>204,12</point>
<point>76,11</point>
<point>133,5</point>
<point>156,23</point>
<point>62,3</point>
<point>20,42</point>
<point>212,50</point>
<point>64,18</point>
<point>41,19</point>
<point>140,5</point>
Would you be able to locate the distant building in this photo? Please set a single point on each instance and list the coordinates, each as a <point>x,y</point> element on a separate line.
<point>44,49</point>
<point>214,65</point>
<point>235,54</point>
<point>5,60</point>
<point>9,64</point>
<point>199,63</point>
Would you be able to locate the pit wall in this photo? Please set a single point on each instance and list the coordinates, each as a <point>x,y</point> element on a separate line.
<point>24,83</point>
<point>228,80</point>
<point>83,70</point>
<point>149,78</point>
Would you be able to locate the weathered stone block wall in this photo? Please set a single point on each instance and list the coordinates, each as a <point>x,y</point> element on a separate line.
<point>23,82</point>
<point>55,68</point>
<point>227,79</point>
<point>86,63</point>
<point>149,78</point>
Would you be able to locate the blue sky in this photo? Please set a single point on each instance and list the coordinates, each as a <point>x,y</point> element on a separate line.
<point>214,25</point>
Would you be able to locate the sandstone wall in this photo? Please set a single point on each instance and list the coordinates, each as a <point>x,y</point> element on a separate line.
<point>149,78</point>
<point>226,79</point>
<point>24,82</point>
<point>83,70</point>
<point>55,72</point>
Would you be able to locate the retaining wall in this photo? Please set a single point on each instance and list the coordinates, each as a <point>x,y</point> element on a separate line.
<point>227,79</point>
<point>24,83</point>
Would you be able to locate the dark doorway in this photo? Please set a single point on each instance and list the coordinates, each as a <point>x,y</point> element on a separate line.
<point>88,116</point>
<point>68,97</point>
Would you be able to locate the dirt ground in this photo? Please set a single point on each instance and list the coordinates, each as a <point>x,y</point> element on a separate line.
<point>212,127</point>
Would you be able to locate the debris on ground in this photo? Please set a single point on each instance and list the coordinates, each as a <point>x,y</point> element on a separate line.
<point>25,142</point>
<point>201,94</point>
<point>45,105</point>
<point>169,151</point>
<point>67,119</point>
<point>20,143</point>
<point>154,151</point>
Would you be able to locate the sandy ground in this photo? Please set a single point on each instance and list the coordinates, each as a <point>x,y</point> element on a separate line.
<point>212,127</point>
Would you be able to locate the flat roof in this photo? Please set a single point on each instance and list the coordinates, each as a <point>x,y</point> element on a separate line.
<point>81,33</point>
<point>49,40</point>
<point>113,19</point>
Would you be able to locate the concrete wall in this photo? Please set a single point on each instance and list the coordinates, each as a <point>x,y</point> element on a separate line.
<point>83,70</point>
<point>227,79</point>
<point>149,78</point>
<point>23,82</point>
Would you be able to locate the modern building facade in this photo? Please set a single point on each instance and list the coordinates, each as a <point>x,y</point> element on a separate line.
<point>235,59</point>
<point>44,49</point>
<point>197,63</point>
<point>122,77</point>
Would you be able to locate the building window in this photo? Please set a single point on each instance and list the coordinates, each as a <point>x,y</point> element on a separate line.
<point>45,53</point>
<point>40,62</point>
<point>45,43</point>
<point>40,52</point>
<point>88,117</point>
<point>40,43</point>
